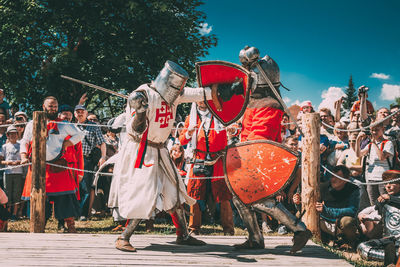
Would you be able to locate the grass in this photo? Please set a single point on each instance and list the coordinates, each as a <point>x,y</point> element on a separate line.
<point>105,225</point>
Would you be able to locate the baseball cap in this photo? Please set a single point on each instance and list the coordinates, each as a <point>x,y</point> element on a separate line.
<point>11,129</point>
<point>20,113</point>
<point>65,107</point>
<point>79,107</point>
<point>306,103</point>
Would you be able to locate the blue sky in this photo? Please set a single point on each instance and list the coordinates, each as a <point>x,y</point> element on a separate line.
<point>317,44</point>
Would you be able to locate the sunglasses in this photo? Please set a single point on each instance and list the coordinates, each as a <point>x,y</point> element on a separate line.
<point>19,118</point>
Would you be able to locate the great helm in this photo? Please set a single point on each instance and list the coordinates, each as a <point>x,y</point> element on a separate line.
<point>170,81</point>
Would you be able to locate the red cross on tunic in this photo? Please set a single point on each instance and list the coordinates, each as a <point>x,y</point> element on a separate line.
<point>163,115</point>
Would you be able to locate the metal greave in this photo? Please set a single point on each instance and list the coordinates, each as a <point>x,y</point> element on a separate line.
<point>130,228</point>
<point>278,211</point>
<point>250,221</point>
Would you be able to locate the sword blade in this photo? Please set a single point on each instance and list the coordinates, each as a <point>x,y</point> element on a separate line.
<point>94,86</point>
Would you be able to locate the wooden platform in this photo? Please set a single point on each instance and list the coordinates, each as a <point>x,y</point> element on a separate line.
<point>24,249</point>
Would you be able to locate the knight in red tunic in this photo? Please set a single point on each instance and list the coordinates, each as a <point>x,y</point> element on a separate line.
<point>209,139</point>
<point>61,183</point>
<point>262,120</point>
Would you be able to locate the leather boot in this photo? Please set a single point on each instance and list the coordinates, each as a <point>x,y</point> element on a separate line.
<point>195,219</point>
<point>124,245</point>
<point>227,218</point>
<point>70,225</point>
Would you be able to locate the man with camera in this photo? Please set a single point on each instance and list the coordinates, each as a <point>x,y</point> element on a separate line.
<point>209,139</point>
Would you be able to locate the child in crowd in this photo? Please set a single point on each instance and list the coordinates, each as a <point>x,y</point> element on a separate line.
<point>14,179</point>
<point>385,214</point>
<point>177,154</point>
<point>379,153</point>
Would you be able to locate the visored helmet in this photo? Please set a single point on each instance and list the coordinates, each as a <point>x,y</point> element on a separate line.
<point>170,81</point>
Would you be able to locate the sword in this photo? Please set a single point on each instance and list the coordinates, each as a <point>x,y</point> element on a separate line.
<point>95,86</point>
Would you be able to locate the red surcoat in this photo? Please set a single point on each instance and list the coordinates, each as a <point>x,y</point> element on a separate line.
<point>217,143</point>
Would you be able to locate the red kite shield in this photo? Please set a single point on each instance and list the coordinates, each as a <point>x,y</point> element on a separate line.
<point>211,72</point>
<point>255,170</point>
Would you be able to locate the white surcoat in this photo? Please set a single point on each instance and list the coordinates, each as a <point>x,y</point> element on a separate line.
<point>139,192</point>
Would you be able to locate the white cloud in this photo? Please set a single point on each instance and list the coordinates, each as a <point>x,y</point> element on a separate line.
<point>330,96</point>
<point>296,102</point>
<point>205,29</point>
<point>286,100</point>
<point>382,76</point>
<point>390,92</point>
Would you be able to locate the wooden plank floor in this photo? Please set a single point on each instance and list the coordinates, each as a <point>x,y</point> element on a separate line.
<point>24,249</point>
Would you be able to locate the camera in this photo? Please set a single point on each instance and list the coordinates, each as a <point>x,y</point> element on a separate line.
<point>362,89</point>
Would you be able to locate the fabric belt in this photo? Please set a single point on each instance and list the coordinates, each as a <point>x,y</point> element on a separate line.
<point>149,143</point>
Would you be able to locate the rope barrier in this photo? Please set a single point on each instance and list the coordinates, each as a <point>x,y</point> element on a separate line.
<point>356,182</point>
<point>15,167</point>
<point>110,174</point>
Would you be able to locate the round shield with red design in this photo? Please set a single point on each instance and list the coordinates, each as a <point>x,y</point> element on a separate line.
<point>217,72</point>
<point>256,170</point>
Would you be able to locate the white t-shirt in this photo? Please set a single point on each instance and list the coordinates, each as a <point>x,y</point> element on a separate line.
<point>10,152</point>
<point>376,167</point>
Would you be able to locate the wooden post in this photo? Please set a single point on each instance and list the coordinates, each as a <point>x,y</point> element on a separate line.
<point>310,162</point>
<point>38,190</point>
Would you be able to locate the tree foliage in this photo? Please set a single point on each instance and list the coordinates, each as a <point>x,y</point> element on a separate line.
<point>351,95</point>
<point>116,44</point>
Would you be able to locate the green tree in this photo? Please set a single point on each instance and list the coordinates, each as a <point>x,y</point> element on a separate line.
<point>396,102</point>
<point>351,95</point>
<point>117,44</point>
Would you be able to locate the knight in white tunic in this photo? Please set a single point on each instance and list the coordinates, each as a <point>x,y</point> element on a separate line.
<point>145,179</point>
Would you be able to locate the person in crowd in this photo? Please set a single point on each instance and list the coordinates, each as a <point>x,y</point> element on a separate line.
<point>286,132</point>
<point>326,119</point>
<point>338,208</point>
<point>382,219</point>
<point>286,196</point>
<point>20,120</point>
<point>306,107</point>
<point>93,118</point>
<point>4,214</point>
<point>338,144</point>
<point>60,186</point>
<point>93,137</point>
<point>3,140</point>
<point>379,155</point>
<point>362,105</point>
<point>177,154</point>
<point>394,130</point>
<point>209,138</point>
<point>381,114</point>
<point>14,180</point>
<point>73,155</point>
<point>4,104</point>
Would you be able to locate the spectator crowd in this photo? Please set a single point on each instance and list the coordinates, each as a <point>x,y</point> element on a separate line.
<point>359,168</point>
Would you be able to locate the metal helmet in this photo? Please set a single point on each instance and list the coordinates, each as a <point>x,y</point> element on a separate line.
<point>248,55</point>
<point>170,81</point>
<point>271,69</point>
